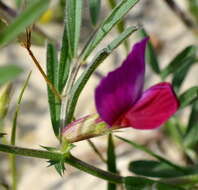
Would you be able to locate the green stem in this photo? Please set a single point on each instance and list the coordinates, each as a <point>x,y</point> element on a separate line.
<point>14,171</point>
<point>111,160</point>
<point>113,178</point>
<point>13,134</point>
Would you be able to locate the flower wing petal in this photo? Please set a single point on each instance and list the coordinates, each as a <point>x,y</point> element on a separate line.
<point>156,105</point>
<point>121,88</point>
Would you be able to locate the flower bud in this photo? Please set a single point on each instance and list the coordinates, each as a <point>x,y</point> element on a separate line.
<point>85,128</point>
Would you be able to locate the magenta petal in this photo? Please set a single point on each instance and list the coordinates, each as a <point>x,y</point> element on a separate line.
<point>156,105</point>
<point>120,89</point>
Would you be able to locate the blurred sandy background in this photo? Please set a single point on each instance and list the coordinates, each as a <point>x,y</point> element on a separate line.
<point>34,127</point>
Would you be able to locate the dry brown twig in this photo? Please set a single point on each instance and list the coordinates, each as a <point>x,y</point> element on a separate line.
<point>27,45</point>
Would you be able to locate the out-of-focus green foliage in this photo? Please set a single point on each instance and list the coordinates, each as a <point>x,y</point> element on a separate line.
<point>4,100</point>
<point>94,9</point>
<point>25,19</point>
<point>193,7</point>
<point>9,73</point>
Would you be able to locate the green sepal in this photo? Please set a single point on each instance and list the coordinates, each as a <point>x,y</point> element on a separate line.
<point>59,164</point>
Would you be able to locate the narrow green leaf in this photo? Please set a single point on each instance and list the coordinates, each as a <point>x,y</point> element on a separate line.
<point>14,124</point>
<point>26,18</point>
<point>99,58</point>
<point>117,13</point>
<point>181,59</point>
<point>140,183</point>
<point>151,56</point>
<point>53,62</point>
<point>180,75</point>
<point>120,25</point>
<point>188,97</point>
<point>193,119</point>
<point>111,160</point>
<point>191,136</point>
<point>137,183</point>
<point>8,73</point>
<point>73,24</point>
<point>52,74</point>
<point>94,9</point>
<point>151,168</point>
<point>64,62</point>
<point>174,130</point>
<point>158,157</point>
<point>13,134</point>
<point>82,81</point>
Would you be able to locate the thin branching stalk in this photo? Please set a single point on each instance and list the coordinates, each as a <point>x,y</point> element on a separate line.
<point>95,149</point>
<point>27,46</point>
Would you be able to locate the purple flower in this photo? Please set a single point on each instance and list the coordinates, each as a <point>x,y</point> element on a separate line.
<point>120,100</point>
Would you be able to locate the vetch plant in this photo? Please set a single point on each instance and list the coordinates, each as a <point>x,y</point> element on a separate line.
<point>120,98</point>
<point>120,101</point>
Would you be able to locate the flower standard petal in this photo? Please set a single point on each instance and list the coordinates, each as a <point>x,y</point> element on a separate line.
<point>120,89</point>
<point>156,105</point>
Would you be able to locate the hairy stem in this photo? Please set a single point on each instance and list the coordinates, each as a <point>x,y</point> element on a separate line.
<point>113,178</point>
